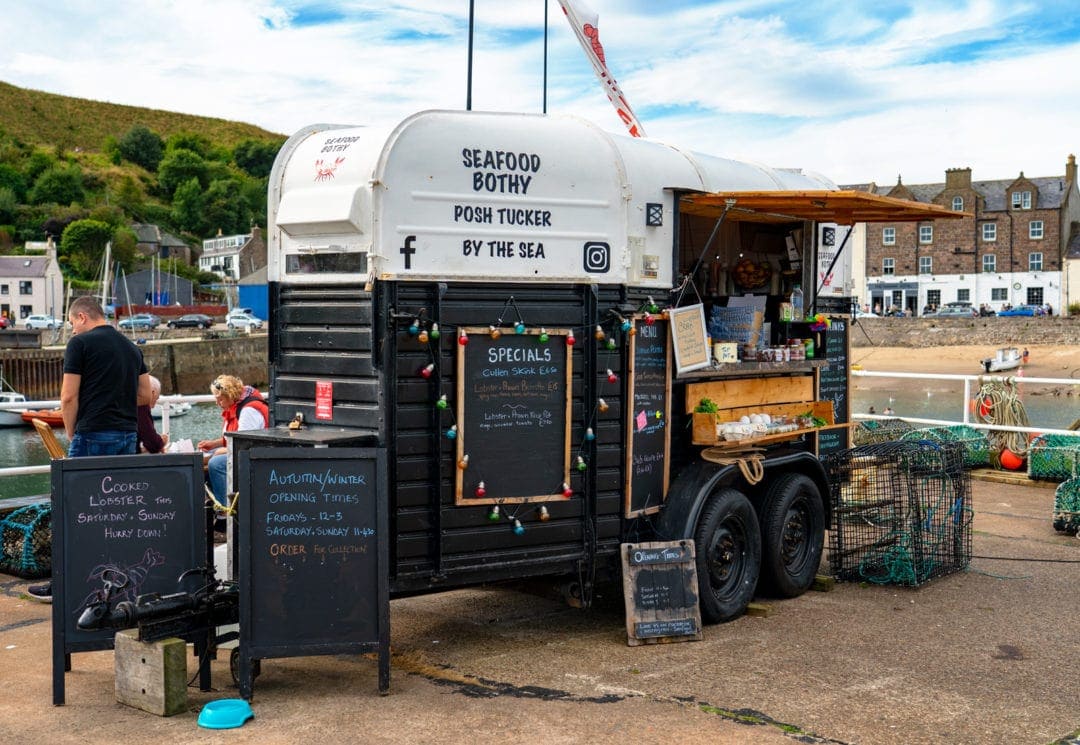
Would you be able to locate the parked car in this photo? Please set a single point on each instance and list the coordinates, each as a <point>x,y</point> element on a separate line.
<point>955,311</point>
<point>860,313</point>
<point>243,320</point>
<point>141,322</point>
<point>1022,310</point>
<point>42,322</point>
<point>4,322</point>
<point>191,321</point>
<point>240,312</point>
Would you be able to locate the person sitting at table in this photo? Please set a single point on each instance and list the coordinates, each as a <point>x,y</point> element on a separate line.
<point>149,441</point>
<point>242,408</point>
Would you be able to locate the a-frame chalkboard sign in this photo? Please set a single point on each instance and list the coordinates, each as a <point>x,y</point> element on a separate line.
<point>314,571</point>
<point>648,435</point>
<point>137,521</point>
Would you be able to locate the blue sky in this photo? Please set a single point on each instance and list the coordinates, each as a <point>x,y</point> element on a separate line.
<point>857,91</point>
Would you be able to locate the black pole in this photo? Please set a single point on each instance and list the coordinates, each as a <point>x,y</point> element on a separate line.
<point>468,84</point>
<point>545,53</point>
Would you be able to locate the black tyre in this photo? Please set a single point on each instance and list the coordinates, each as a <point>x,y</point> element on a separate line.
<point>204,325</point>
<point>728,544</point>
<point>792,535</point>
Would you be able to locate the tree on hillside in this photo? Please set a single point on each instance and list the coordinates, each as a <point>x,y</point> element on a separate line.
<point>187,209</point>
<point>82,246</point>
<point>11,178</point>
<point>9,205</point>
<point>179,166</point>
<point>256,156</point>
<point>38,162</point>
<point>57,185</point>
<point>141,146</point>
<point>189,141</point>
<point>225,209</point>
<point>129,197</point>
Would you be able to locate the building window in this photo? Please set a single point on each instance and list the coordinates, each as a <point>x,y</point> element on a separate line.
<point>989,263</point>
<point>4,290</point>
<point>1035,230</point>
<point>926,234</point>
<point>26,287</point>
<point>958,204</point>
<point>963,296</point>
<point>933,297</point>
<point>888,266</point>
<point>26,310</point>
<point>1035,262</point>
<point>1021,200</point>
<point>888,236</point>
<point>926,265</point>
<point>999,294</point>
<point>989,231</point>
<point>1035,296</point>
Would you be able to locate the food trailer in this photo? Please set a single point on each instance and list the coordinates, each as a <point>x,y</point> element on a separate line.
<point>518,309</point>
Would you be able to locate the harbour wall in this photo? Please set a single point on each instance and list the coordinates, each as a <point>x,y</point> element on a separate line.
<point>184,365</point>
<point>949,332</point>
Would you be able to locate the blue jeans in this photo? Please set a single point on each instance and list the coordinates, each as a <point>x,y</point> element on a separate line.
<point>215,470</point>
<point>106,442</point>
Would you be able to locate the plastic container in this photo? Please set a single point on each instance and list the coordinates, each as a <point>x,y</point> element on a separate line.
<point>797,303</point>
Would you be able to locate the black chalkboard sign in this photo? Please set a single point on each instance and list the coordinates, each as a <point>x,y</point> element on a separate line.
<point>313,555</point>
<point>133,519</point>
<point>648,438</point>
<point>661,592</point>
<point>513,416</point>
<point>834,385</point>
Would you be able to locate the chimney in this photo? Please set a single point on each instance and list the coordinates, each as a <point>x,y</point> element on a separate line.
<point>958,178</point>
<point>1070,169</point>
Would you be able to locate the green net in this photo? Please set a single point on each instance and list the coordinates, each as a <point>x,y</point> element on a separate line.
<point>26,535</point>
<point>975,442</point>
<point>1067,507</point>
<point>1054,457</point>
<point>874,431</point>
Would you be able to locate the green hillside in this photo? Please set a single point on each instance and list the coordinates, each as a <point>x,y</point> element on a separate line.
<point>42,118</point>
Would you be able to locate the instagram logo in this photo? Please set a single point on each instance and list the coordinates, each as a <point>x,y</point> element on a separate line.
<point>597,257</point>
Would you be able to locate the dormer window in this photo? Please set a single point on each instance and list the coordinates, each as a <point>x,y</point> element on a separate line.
<point>958,204</point>
<point>1021,200</point>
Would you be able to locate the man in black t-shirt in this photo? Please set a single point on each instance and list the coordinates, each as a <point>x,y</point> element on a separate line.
<point>105,380</point>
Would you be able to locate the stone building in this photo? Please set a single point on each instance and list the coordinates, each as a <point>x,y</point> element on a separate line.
<point>31,284</point>
<point>234,256</point>
<point>1011,250</point>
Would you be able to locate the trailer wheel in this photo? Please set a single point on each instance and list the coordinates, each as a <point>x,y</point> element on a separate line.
<point>728,543</point>
<point>792,535</point>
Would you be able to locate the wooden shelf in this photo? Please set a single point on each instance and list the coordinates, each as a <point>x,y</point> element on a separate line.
<point>745,369</point>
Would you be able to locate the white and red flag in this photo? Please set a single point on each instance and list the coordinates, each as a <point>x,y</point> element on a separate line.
<point>584,21</point>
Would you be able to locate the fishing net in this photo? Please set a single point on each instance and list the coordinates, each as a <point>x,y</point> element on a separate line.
<point>975,442</point>
<point>1067,507</point>
<point>26,535</point>
<point>874,431</point>
<point>1054,457</point>
<point>901,512</point>
<point>998,402</point>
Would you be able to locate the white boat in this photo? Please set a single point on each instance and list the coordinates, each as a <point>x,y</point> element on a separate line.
<point>11,417</point>
<point>1006,358</point>
<point>176,408</point>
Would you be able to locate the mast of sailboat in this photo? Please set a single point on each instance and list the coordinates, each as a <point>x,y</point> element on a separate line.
<point>105,276</point>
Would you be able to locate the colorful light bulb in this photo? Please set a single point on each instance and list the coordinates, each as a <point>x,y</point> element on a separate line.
<point>423,336</point>
<point>610,344</point>
<point>442,403</point>
<point>653,307</point>
<point>451,434</point>
<point>519,529</point>
<point>602,405</point>
<point>414,327</point>
<point>435,334</point>
<point>567,492</point>
<point>599,333</point>
<point>481,491</point>
<point>632,331</point>
<point>570,339</point>
<point>462,339</point>
<point>427,370</point>
<point>543,338</point>
<point>612,377</point>
<point>463,463</point>
<point>626,325</point>
<point>494,332</point>
<point>519,328</point>
<point>493,513</point>
<point>589,434</point>
<point>543,514</point>
<point>581,465</point>
<point>649,320</point>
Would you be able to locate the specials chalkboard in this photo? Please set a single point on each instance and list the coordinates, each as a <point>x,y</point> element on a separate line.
<point>513,416</point>
<point>833,385</point>
<point>136,522</point>
<point>660,589</point>
<point>313,555</point>
<point>648,437</point>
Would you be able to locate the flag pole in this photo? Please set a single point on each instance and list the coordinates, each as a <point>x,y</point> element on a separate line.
<point>468,84</point>
<point>545,52</point>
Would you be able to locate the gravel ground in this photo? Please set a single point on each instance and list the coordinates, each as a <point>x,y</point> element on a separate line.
<point>985,656</point>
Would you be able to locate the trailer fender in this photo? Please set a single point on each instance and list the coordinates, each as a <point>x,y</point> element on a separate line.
<point>696,482</point>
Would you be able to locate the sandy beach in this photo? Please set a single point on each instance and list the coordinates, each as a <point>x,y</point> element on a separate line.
<point>1044,361</point>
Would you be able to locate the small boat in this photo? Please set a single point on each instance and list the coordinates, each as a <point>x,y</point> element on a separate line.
<point>1006,358</point>
<point>176,408</point>
<point>11,417</point>
<point>52,417</point>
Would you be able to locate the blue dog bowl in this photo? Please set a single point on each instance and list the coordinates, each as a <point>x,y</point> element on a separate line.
<point>225,714</point>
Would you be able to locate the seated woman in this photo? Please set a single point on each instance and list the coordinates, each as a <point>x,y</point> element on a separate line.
<point>149,441</point>
<point>242,408</point>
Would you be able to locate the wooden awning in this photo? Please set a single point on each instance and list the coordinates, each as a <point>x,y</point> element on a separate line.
<point>842,207</point>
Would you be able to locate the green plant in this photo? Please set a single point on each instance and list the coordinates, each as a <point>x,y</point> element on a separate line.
<point>706,406</point>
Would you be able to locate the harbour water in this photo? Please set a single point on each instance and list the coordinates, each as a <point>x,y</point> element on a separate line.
<point>21,446</point>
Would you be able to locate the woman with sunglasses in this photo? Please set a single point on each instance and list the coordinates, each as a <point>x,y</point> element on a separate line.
<point>242,408</point>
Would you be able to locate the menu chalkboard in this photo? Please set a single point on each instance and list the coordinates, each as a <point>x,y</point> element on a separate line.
<point>137,521</point>
<point>513,416</point>
<point>833,386</point>
<point>313,555</point>
<point>660,589</point>
<point>648,439</point>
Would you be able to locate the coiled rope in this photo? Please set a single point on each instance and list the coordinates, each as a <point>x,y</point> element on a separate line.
<point>998,402</point>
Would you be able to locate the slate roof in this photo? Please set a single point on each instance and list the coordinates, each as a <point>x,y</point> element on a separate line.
<point>1051,191</point>
<point>18,267</point>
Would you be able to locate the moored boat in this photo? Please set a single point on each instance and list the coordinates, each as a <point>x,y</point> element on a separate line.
<point>52,417</point>
<point>11,417</point>
<point>1006,358</point>
<point>176,408</point>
